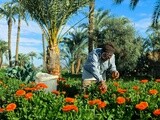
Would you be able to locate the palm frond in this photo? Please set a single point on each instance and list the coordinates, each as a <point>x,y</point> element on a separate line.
<point>156,14</point>
<point>133,3</point>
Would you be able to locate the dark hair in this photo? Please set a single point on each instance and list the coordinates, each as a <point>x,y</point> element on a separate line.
<point>108,47</point>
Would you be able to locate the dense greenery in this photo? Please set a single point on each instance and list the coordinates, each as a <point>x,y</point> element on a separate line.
<point>132,99</point>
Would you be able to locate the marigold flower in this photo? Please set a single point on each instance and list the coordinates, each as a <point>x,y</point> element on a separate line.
<point>142,105</point>
<point>2,110</point>
<point>120,90</point>
<point>11,107</point>
<point>20,92</point>
<point>116,84</point>
<point>144,81</point>
<point>28,95</point>
<point>68,108</point>
<point>157,80</point>
<point>41,85</point>
<point>121,100</point>
<point>55,92</point>
<point>94,102</point>
<point>153,91</point>
<point>69,100</point>
<point>102,105</point>
<point>86,96</point>
<point>156,112</point>
<point>135,87</point>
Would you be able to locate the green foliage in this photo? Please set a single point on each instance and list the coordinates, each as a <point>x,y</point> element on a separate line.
<point>25,73</point>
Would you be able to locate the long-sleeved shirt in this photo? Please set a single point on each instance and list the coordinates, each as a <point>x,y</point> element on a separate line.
<point>95,67</point>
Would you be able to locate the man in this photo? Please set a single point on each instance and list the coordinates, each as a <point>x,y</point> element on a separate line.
<point>98,61</point>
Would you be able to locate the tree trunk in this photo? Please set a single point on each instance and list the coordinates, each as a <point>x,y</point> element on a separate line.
<point>18,38</point>
<point>72,68</point>
<point>44,51</point>
<point>1,60</point>
<point>78,65</point>
<point>53,60</point>
<point>91,26</point>
<point>9,41</point>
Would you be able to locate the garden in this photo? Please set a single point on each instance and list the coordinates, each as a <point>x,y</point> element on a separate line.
<point>135,95</point>
<point>124,99</point>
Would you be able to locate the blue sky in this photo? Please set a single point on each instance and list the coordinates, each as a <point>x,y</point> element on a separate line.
<point>31,35</point>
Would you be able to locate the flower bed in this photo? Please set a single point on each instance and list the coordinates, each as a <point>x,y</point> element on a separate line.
<point>137,99</point>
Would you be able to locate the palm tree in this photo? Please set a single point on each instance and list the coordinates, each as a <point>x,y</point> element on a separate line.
<point>8,10</point>
<point>3,49</point>
<point>91,26</point>
<point>75,49</point>
<point>51,15</point>
<point>32,55</point>
<point>156,12</point>
<point>22,59</point>
<point>21,16</point>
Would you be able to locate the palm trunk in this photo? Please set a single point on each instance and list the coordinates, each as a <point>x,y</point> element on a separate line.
<point>1,60</point>
<point>72,68</point>
<point>17,42</point>
<point>53,60</point>
<point>78,65</point>
<point>91,26</point>
<point>44,52</point>
<point>9,41</point>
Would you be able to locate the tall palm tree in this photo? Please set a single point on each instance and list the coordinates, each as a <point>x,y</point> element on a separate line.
<point>75,48</point>
<point>91,26</point>
<point>52,15</point>
<point>3,49</point>
<point>8,10</point>
<point>156,12</point>
<point>21,16</point>
<point>32,55</point>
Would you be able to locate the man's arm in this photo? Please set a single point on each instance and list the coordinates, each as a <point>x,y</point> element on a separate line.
<point>92,66</point>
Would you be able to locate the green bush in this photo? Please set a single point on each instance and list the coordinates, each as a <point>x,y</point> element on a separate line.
<point>24,73</point>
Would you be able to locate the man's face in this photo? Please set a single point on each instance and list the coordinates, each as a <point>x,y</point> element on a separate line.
<point>106,55</point>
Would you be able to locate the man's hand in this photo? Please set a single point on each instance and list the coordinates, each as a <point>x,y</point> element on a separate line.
<point>103,87</point>
<point>115,75</point>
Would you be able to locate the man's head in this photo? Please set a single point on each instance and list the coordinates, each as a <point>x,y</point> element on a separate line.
<point>107,51</point>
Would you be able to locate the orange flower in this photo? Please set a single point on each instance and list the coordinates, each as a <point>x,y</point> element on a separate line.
<point>116,84</point>
<point>55,92</point>
<point>30,89</point>
<point>94,102</point>
<point>142,105</point>
<point>20,92</point>
<point>102,105</point>
<point>28,95</point>
<point>157,80</point>
<point>41,85</point>
<point>153,91</point>
<point>144,81</point>
<point>121,100</point>
<point>122,91</point>
<point>11,107</point>
<point>135,87</point>
<point>86,96</point>
<point>2,110</point>
<point>156,112</point>
<point>68,108</point>
<point>69,100</point>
